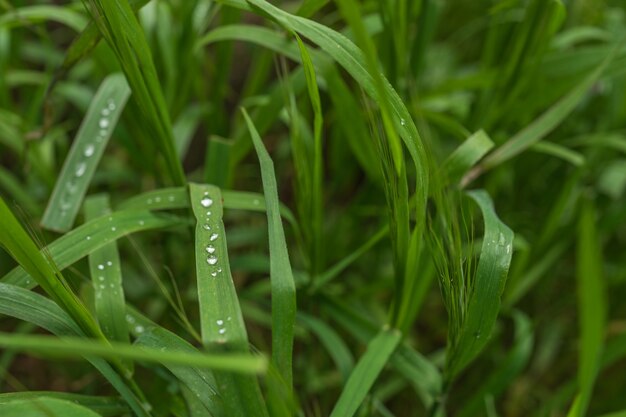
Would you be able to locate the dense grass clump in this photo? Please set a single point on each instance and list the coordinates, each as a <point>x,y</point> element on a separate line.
<point>237,208</point>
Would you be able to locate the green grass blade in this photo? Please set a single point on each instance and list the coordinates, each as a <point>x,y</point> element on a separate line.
<point>221,321</point>
<point>122,31</point>
<point>44,407</point>
<point>72,346</point>
<point>92,235</point>
<point>283,286</point>
<point>592,302</point>
<point>106,277</point>
<point>467,155</point>
<point>366,371</point>
<point>87,150</point>
<point>103,406</point>
<point>26,15</point>
<point>484,301</point>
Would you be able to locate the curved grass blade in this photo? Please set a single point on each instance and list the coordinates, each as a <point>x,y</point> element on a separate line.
<point>44,407</point>
<point>467,155</point>
<point>106,276</point>
<point>34,308</point>
<point>484,300</point>
<point>92,235</point>
<point>366,371</point>
<point>72,346</point>
<point>281,275</point>
<point>85,154</point>
<point>221,321</point>
<point>122,31</point>
<point>103,406</point>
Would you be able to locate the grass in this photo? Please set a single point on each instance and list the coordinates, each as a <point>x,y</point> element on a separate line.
<point>312,208</point>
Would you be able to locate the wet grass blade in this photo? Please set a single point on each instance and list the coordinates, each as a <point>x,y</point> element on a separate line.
<point>221,321</point>
<point>92,235</point>
<point>467,155</point>
<point>85,154</point>
<point>366,371</point>
<point>281,275</point>
<point>106,278</point>
<point>484,300</point>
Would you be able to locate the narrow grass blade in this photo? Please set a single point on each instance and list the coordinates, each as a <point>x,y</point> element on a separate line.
<point>27,15</point>
<point>366,371</point>
<point>22,248</point>
<point>221,321</point>
<point>35,308</point>
<point>218,161</point>
<point>592,304</point>
<point>103,406</point>
<point>559,151</point>
<point>467,155</point>
<point>44,407</point>
<point>106,277</point>
<point>72,346</point>
<point>122,31</point>
<point>90,236</point>
<point>484,300</point>
<point>283,286</point>
<point>87,150</point>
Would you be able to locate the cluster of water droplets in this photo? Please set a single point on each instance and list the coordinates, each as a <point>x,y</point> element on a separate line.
<point>101,286</point>
<point>133,323</point>
<point>210,249</point>
<point>221,325</point>
<point>87,152</point>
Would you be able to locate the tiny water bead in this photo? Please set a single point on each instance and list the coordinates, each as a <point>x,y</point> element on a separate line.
<point>89,150</point>
<point>212,260</point>
<point>111,104</point>
<point>403,122</point>
<point>213,237</point>
<point>105,112</point>
<point>101,267</point>
<point>139,329</point>
<point>157,199</point>
<point>80,169</point>
<point>222,331</point>
<point>141,222</point>
<point>101,278</point>
<point>171,198</point>
<point>206,227</point>
<point>219,322</point>
<point>109,263</point>
<point>206,202</point>
<point>214,274</point>
<point>210,249</point>
<point>113,229</point>
<point>103,123</point>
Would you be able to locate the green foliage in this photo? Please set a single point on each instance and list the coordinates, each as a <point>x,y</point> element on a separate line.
<point>433,223</point>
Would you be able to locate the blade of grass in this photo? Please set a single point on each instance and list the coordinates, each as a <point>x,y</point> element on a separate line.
<point>44,407</point>
<point>106,277</point>
<point>85,154</point>
<point>281,275</point>
<point>221,321</point>
<point>467,155</point>
<point>484,300</point>
<point>366,371</point>
<point>103,406</point>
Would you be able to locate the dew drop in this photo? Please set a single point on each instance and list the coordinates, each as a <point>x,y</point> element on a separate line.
<point>211,260</point>
<point>210,249</point>
<point>109,263</point>
<point>103,123</point>
<point>130,318</point>
<point>80,169</point>
<point>101,267</point>
<point>502,240</point>
<point>222,331</point>
<point>105,112</point>
<point>141,222</point>
<point>208,213</point>
<point>111,105</point>
<point>213,237</point>
<point>101,278</point>
<point>220,322</point>
<point>206,202</point>
<point>403,122</point>
<point>213,274</point>
<point>256,202</point>
<point>88,237</point>
<point>113,229</point>
<point>206,227</point>
<point>157,199</point>
<point>171,198</point>
<point>139,329</point>
<point>89,150</point>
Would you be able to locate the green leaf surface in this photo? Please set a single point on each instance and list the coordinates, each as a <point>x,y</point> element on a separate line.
<point>44,407</point>
<point>87,149</point>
